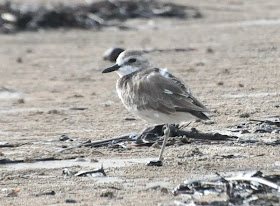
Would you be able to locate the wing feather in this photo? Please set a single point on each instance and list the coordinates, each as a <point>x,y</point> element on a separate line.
<point>150,93</point>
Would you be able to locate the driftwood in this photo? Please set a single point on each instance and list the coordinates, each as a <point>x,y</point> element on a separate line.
<point>10,145</point>
<point>152,135</point>
<point>250,178</point>
<point>8,161</point>
<point>246,188</point>
<point>195,134</point>
<point>98,143</point>
<point>95,173</point>
<point>269,122</point>
<point>45,193</point>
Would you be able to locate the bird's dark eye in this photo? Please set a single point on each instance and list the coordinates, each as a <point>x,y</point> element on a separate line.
<point>132,60</point>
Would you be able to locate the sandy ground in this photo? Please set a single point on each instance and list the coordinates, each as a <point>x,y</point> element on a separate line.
<point>61,69</point>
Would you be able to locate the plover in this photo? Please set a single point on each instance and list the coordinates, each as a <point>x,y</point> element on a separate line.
<point>153,94</point>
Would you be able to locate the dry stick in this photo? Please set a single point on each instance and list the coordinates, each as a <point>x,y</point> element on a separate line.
<point>9,145</point>
<point>82,173</point>
<point>209,136</point>
<point>256,120</point>
<point>277,123</point>
<point>12,145</point>
<point>98,142</point>
<point>8,161</point>
<point>193,134</point>
<point>256,179</point>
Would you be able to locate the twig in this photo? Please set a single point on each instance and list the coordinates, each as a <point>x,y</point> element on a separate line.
<point>12,145</point>
<point>9,145</point>
<point>8,161</point>
<point>256,120</point>
<point>195,134</point>
<point>45,193</point>
<point>85,173</point>
<point>98,142</point>
<point>255,179</point>
<point>277,123</point>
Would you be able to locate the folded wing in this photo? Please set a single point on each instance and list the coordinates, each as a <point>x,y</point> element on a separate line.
<point>159,90</point>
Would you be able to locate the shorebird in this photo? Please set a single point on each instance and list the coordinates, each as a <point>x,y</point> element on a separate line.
<point>153,94</point>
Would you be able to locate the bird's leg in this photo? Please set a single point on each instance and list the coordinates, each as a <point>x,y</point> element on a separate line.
<point>166,136</point>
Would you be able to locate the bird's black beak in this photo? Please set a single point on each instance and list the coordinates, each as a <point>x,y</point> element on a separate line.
<point>111,69</point>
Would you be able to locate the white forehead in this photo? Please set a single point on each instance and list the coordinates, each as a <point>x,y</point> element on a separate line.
<point>122,58</point>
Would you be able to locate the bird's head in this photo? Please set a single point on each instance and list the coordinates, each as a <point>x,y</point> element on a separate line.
<point>128,62</point>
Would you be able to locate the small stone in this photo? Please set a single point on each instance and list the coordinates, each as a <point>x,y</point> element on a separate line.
<point>80,160</point>
<point>157,163</point>
<point>209,50</point>
<point>209,122</point>
<point>70,201</point>
<point>19,60</point>
<point>20,101</point>
<point>241,85</point>
<point>245,131</point>
<point>244,115</point>
<point>185,140</point>
<point>226,71</point>
<point>8,17</point>
<point>66,172</point>
<point>29,51</point>
<point>156,145</point>
<point>200,64</point>
<point>64,137</point>
<point>53,111</point>
<point>220,83</point>
<point>93,160</point>
<point>78,96</point>
<point>108,194</point>
<point>164,190</point>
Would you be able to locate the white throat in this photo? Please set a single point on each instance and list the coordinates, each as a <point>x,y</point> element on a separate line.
<point>125,70</point>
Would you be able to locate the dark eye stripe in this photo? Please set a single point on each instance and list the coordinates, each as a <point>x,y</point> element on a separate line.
<point>132,60</point>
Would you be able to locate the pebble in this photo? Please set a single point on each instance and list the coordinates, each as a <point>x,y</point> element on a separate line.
<point>64,137</point>
<point>70,201</point>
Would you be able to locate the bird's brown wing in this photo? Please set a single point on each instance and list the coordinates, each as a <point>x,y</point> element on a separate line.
<point>165,93</point>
